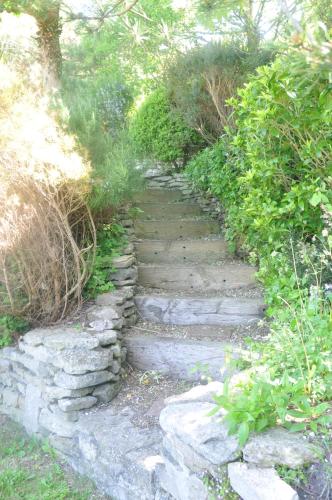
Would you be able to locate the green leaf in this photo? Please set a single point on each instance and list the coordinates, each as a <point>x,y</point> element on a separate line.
<point>315,199</point>
<point>243,433</point>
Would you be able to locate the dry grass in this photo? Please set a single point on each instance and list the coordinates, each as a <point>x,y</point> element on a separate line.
<point>47,235</point>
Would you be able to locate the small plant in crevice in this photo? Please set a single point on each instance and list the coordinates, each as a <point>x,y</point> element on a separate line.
<point>219,488</point>
<point>110,240</point>
<point>294,477</point>
<point>9,327</point>
<point>203,370</point>
<point>150,376</point>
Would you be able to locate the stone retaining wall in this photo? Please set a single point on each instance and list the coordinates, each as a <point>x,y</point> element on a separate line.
<point>56,374</point>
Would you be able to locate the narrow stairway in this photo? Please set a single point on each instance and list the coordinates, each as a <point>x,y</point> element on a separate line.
<point>196,303</point>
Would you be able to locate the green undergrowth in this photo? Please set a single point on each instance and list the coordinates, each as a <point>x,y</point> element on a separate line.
<point>10,326</point>
<point>289,377</point>
<point>110,241</point>
<point>30,470</point>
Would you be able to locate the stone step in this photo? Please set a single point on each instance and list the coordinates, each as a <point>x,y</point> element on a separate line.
<point>178,358</point>
<point>175,229</point>
<point>200,277</point>
<point>167,210</point>
<point>234,334</point>
<point>200,310</point>
<point>158,196</point>
<point>177,251</point>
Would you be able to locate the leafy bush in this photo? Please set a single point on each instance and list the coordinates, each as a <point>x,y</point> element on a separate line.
<point>273,175</point>
<point>159,132</point>
<point>214,171</point>
<point>284,152</point>
<point>202,80</point>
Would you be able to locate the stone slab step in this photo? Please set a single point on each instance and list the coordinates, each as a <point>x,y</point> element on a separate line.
<point>178,358</point>
<point>199,311</point>
<point>182,252</point>
<point>158,196</point>
<point>167,210</point>
<point>175,229</point>
<point>233,334</point>
<point>199,277</point>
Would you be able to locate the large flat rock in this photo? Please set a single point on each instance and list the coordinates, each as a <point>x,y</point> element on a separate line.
<point>175,229</point>
<point>199,277</point>
<point>279,446</point>
<point>178,358</point>
<point>158,196</point>
<point>198,311</point>
<point>181,252</point>
<point>176,210</point>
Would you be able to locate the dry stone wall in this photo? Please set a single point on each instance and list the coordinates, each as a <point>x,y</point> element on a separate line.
<point>54,375</point>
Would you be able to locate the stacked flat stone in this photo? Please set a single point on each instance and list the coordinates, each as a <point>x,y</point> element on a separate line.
<point>119,303</point>
<point>56,373</point>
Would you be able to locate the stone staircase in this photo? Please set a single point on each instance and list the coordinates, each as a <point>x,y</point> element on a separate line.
<point>186,278</point>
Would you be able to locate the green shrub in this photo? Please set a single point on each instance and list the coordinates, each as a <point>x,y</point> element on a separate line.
<point>284,153</point>
<point>273,175</point>
<point>202,80</point>
<point>97,116</point>
<point>159,132</point>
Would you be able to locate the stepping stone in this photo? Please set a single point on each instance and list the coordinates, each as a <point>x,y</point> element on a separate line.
<point>167,211</point>
<point>176,251</point>
<point>178,358</point>
<point>205,277</point>
<point>158,196</point>
<point>168,230</point>
<point>198,311</point>
<point>218,333</point>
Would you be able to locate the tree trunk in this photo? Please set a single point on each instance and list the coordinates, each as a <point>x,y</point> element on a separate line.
<point>252,34</point>
<point>49,31</point>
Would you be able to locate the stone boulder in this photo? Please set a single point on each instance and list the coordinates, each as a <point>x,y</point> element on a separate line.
<point>191,424</point>
<point>278,446</point>
<point>199,393</point>
<point>253,483</point>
